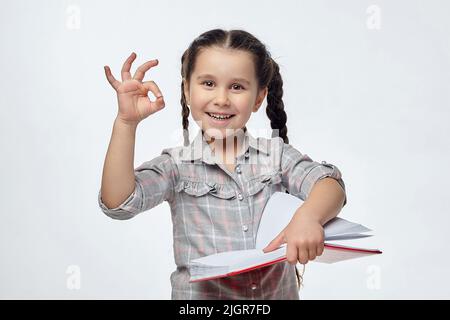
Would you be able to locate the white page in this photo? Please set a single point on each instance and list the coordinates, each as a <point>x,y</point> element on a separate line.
<point>261,258</point>
<point>367,242</point>
<point>227,258</point>
<point>277,214</point>
<point>279,211</point>
<point>339,226</point>
<point>348,236</point>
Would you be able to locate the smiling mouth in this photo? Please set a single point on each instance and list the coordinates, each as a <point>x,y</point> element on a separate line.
<point>223,118</point>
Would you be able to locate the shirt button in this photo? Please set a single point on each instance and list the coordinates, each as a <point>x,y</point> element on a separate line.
<point>329,165</point>
<point>245,228</point>
<point>254,286</point>
<point>238,169</point>
<point>240,197</point>
<point>246,155</point>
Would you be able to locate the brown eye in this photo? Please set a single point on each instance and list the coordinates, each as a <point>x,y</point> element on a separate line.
<point>206,82</point>
<point>238,85</point>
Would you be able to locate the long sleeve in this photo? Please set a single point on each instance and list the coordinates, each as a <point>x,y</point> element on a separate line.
<point>154,183</point>
<point>300,172</point>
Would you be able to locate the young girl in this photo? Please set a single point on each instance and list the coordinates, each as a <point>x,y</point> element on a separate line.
<point>217,186</point>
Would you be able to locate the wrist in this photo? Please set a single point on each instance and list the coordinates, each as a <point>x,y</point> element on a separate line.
<point>304,214</point>
<point>125,124</point>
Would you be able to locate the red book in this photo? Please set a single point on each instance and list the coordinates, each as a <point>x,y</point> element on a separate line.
<point>276,216</point>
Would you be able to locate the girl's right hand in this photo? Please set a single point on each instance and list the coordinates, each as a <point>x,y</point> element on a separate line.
<point>132,93</point>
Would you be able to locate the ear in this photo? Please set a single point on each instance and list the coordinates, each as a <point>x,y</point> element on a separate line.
<point>186,91</point>
<point>260,98</point>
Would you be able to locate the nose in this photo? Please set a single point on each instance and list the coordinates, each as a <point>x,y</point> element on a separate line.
<point>222,98</point>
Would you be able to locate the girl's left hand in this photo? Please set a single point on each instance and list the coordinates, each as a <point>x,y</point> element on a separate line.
<point>304,237</point>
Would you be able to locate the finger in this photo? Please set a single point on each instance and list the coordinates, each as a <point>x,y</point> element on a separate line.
<point>126,75</point>
<point>114,83</point>
<point>159,103</point>
<point>292,254</point>
<point>275,243</point>
<point>320,249</point>
<point>140,72</point>
<point>153,87</point>
<point>312,252</point>
<point>303,255</point>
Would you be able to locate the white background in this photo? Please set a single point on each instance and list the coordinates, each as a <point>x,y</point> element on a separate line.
<point>366,88</point>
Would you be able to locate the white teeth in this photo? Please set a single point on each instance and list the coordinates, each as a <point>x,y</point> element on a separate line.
<point>219,117</point>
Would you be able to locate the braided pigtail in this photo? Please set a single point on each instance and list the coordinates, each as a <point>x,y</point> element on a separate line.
<point>275,106</point>
<point>185,116</point>
<point>184,106</point>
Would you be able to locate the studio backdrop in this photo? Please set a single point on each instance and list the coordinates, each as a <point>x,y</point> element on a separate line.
<point>366,87</point>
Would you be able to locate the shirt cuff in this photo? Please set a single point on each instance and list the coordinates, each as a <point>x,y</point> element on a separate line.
<point>126,210</point>
<point>321,171</point>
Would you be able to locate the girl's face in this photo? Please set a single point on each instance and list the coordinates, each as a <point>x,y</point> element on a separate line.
<point>223,83</point>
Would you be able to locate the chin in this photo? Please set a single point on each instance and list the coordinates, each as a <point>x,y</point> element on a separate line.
<point>220,133</point>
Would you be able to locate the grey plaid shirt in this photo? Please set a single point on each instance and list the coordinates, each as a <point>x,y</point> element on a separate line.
<point>215,210</point>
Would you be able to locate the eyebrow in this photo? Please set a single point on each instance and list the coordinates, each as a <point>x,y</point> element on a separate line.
<point>211,76</point>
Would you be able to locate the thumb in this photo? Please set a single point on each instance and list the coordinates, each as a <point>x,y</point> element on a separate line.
<point>275,243</point>
<point>153,87</point>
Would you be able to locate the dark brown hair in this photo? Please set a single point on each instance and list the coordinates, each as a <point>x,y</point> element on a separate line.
<point>267,74</point>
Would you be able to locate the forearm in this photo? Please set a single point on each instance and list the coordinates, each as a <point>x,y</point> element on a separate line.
<point>324,202</point>
<point>118,180</point>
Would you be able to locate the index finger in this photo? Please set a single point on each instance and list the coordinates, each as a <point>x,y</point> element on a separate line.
<point>126,75</point>
<point>275,243</point>
<point>140,72</point>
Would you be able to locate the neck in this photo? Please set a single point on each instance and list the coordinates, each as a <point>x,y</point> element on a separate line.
<point>228,146</point>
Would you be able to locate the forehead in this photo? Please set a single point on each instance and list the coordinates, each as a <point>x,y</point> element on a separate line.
<point>225,63</point>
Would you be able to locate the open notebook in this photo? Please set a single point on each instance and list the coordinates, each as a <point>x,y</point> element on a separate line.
<point>277,214</point>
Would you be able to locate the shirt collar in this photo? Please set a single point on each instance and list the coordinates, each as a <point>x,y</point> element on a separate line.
<point>200,147</point>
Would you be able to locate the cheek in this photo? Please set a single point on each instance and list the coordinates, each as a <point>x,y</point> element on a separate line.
<point>199,95</point>
<point>244,116</point>
<point>196,113</point>
<point>244,106</point>
<point>243,101</point>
